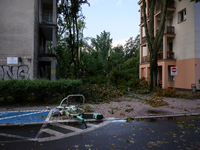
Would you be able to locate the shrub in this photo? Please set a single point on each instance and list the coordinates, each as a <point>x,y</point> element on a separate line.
<point>44,91</point>
<point>27,91</point>
<point>95,93</point>
<point>155,101</point>
<point>166,92</point>
<point>145,85</point>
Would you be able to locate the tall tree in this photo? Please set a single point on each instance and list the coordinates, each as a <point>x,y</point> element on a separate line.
<point>117,57</point>
<point>102,43</point>
<point>72,21</point>
<point>131,46</point>
<point>154,41</point>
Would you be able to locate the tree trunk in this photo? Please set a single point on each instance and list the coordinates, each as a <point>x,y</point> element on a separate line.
<point>155,72</point>
<point>153,41</point>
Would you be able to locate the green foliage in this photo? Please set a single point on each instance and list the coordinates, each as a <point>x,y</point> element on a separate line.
<point>70,34</point>
<point>131,47</point>
<point>63,60</point>
<point>129,110</point>
<point>102,43</point>
<point>166,92</point>
<point>155,101</point>
<point>36,91</point>
<point>174,93</point>
<point>117,57</point>
<point>93,64</point>
<point>145,85</point>
<point>47,92</point>
<point>99,79</point>
<point>96,93</point>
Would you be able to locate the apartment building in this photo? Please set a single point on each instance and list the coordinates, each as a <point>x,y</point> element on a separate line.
<point>28,33</point>
<point>180,47</point>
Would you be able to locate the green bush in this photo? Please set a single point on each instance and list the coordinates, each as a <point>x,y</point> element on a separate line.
<point>95,93</point>
<point>166,92</point>
<point>99,79</point>
<point>123,78</point>
<point>36,91</point>
<point>43,91</point>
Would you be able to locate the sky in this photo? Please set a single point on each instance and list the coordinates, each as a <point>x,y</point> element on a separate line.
<point>119,17</point>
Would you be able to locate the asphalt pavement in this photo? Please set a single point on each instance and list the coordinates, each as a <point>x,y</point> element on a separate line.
<point>156,133</point>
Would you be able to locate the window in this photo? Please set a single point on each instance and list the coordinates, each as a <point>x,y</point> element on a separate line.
<point>182,15</point>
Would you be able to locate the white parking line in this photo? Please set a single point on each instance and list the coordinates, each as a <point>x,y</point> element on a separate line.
<point>69,127</point>
<point>53,132</point>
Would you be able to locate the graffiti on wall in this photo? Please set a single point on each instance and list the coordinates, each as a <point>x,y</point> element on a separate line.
<point>14,72</point>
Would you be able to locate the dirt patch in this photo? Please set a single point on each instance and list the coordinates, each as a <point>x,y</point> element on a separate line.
<point>135,107</point>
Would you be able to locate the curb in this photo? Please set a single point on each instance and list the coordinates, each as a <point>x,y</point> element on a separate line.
<point>154,117</point>
<point>164,116</point>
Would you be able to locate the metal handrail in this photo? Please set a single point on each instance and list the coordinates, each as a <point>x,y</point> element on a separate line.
<point>72,95</point>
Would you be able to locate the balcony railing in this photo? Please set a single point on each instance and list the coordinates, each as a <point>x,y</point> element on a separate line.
<point>160,56</point>
<point>170,30</point>
<point>144,40</point>
<point>170,4</point>
<point>145,59</point>
<point>170,55</point>
<point>47,19</point>
<point>43,50</point>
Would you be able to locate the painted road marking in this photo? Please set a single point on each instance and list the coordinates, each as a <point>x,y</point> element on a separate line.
<point>60,135</point>
<point>14,136</point>
<point>15,117</point>
<point>69,127</point>
<point>53,132</point>
<point>55,135</point>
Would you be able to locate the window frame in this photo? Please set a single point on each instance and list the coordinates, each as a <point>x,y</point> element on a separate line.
<point>181,16</point>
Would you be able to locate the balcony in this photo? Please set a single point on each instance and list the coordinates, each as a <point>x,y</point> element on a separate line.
<point>145,59</point>
<point>160,56</point>
<point>47,19</point>
<point>44,51</point>
<point>170,30</point>
<point>144,40</point>
<point>170,55</point>
<point>170,4</point>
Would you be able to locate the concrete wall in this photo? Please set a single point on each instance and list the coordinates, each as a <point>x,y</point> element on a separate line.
<point>197,43</point>
<point>197,30</point>
<point>186,73</point>
<point>36,39</point>
<point>184,44</point>
<point>17,38</point>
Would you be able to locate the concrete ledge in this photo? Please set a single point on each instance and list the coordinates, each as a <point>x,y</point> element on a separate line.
<point>165,116</point>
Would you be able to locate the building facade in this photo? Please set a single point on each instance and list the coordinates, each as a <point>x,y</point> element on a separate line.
<point>180,47</point>
<point>28,34</point>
